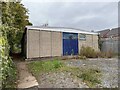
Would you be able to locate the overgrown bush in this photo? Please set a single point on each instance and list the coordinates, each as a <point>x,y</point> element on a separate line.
<point>8,71</point>
<point>14,36</point>
<point>88,52</point>
<point>108,54</point>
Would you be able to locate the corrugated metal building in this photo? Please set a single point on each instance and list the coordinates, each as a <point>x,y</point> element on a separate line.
<point>56,41</point>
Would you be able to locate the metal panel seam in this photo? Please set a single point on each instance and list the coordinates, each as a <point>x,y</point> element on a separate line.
<point>27,43</point>
<point>51,43</point>
<point>39,43</point>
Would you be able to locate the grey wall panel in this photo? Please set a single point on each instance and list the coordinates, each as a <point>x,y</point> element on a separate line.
<point>45,44</point>
<point>110,45</point>
<point>91,41</point>
<point>33,44</point>
<point>56,44</point>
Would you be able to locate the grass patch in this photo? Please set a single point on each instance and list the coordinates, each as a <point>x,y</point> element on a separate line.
<point>44,66</point>
<point>89,75</point>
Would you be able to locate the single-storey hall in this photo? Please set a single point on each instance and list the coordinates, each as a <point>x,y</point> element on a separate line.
<point>56,41</point>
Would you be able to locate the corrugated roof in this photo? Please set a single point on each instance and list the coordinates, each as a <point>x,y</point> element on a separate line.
<point>113,32</point>
<point>108,33</point>
<point>60,29</point>
<point>103,32</point>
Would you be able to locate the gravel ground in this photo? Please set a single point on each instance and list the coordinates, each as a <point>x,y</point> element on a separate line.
<point>108,67</point>
<point>60,80</point>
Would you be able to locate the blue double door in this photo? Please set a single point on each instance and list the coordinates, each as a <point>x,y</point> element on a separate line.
<point>70,43</point>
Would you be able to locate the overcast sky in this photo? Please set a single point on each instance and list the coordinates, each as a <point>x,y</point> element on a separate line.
<point>83,15</point>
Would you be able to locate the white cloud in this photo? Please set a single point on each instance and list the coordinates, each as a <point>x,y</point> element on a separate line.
<point>70,1</point>
<point>89,16</point>
<point>85,17</point>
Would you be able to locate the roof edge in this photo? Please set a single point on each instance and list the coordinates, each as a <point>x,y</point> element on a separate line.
<point>61,29</point>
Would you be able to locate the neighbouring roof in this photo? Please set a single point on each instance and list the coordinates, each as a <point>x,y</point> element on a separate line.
<point>113,32</point>
<point>108,33</point>
<point>60,29</point>
<point>103,32</point>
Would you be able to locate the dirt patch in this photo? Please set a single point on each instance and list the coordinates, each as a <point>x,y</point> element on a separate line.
<point>25,79</point>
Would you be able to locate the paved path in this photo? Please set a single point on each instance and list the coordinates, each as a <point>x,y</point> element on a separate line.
<point>25,79</point>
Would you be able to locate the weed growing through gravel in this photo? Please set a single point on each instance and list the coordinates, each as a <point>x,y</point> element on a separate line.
<point>90,76</point>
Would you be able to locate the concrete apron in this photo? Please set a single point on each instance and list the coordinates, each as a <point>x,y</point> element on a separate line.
<point>26,80</point>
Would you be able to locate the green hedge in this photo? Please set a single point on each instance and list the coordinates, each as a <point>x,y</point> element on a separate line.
<point>8,71</point>
<point>14,36</point>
